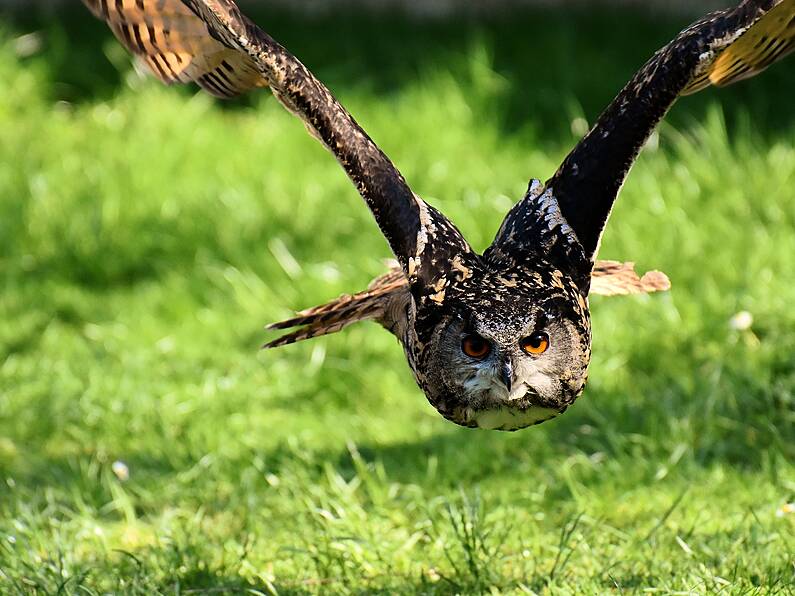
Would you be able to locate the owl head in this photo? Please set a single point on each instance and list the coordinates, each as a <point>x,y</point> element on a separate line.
<point>511,349</point>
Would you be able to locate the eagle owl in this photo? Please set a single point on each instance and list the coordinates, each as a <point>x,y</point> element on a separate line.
<point>499,340</point>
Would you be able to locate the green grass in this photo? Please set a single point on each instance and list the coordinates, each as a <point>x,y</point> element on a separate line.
<point>147,234</point>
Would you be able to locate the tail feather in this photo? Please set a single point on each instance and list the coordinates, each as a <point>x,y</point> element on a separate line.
<point>610,278</point>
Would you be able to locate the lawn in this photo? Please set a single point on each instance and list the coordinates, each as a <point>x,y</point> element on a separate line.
<point>147,234</point>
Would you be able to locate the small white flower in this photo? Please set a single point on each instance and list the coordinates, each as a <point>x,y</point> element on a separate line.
<point>742,321</point>
<point>121,470</point>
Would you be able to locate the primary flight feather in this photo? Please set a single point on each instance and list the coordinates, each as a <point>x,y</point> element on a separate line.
<point>498,340</point>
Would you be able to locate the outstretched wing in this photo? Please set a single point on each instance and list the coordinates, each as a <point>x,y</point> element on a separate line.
<point>213,44</point>
<point>719,49</point>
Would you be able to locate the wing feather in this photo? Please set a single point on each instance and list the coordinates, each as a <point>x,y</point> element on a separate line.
<point>766,42</point>
<point>176,45</point>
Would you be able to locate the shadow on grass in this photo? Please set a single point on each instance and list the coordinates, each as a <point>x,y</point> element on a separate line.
<point>146,571</point>
<point>439,462</point>
<point>721,412</point>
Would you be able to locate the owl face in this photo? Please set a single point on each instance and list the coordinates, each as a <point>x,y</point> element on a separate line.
<point>515,356</point>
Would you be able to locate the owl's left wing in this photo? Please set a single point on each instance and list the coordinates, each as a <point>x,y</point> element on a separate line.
<point>570,211</point>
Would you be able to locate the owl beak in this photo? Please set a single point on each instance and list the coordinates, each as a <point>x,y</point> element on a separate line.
<point>506,374</point>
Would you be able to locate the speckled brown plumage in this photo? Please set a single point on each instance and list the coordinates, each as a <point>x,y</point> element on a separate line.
<point>500,340</point>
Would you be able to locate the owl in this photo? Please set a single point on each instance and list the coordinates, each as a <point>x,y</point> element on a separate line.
<point>499,340</point>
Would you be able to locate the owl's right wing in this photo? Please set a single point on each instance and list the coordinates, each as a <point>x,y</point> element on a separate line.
<point>211,43</point>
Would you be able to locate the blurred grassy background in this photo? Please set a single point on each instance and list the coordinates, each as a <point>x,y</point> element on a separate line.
<point>147,234</point>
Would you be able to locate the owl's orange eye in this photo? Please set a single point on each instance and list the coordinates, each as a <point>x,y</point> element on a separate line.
<point>535,344</point>
<point>476,347</point>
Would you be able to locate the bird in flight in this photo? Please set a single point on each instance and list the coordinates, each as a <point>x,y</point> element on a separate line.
<point>498,340</point>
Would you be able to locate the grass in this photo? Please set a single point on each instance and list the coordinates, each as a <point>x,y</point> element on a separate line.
<point>147,234</point>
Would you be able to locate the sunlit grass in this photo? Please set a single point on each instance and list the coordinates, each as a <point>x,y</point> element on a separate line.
<point>147,234</point>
